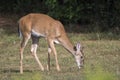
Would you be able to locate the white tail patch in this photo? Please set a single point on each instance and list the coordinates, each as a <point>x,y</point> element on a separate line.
<point>19,31</point>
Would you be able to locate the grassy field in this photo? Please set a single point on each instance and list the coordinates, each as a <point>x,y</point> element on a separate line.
<point>102,59</point>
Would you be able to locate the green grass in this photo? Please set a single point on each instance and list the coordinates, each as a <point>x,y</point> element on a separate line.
<point>102,59</point>
<point>98,73</point>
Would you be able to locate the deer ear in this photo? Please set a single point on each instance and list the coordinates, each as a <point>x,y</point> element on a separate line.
<point>78,46</point>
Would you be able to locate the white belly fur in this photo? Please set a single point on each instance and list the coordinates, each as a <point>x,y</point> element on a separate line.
<point>34,33</point>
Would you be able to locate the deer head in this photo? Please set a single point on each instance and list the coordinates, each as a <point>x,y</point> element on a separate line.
<point>79,57</point>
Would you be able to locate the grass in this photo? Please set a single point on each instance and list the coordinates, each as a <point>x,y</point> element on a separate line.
<point>98,73</point>
<point>102,59</point>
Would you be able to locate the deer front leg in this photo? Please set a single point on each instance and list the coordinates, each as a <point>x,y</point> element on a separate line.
<point>52,46</point>
<point>49,52</point>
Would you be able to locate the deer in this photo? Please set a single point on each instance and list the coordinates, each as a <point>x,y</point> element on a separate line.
<point>37,25</point>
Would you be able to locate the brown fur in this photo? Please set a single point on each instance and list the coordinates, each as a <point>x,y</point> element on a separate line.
<point>46,25</point>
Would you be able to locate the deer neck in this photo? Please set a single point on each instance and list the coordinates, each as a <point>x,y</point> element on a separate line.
<point>67,44</point>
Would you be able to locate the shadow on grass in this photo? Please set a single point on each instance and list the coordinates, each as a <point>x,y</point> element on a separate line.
<point>14,71</point>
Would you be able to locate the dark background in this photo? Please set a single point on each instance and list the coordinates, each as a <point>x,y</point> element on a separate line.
<point>80,15</point>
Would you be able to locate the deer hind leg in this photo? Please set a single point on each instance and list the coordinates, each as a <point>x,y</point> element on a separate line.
<point>52,47</point>
<point>49,52</point>
<point>23,44</point>
<point>34,46</point>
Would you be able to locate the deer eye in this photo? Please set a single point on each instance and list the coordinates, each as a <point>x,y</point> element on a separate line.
<point>75,48</point>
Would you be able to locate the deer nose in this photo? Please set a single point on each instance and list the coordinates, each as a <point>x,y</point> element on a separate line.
<point>81,56</point>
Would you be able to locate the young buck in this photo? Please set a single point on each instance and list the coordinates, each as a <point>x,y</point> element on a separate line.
<point>40,25</point>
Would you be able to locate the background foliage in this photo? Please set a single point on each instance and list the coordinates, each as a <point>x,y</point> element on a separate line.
<point>101,15</point>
